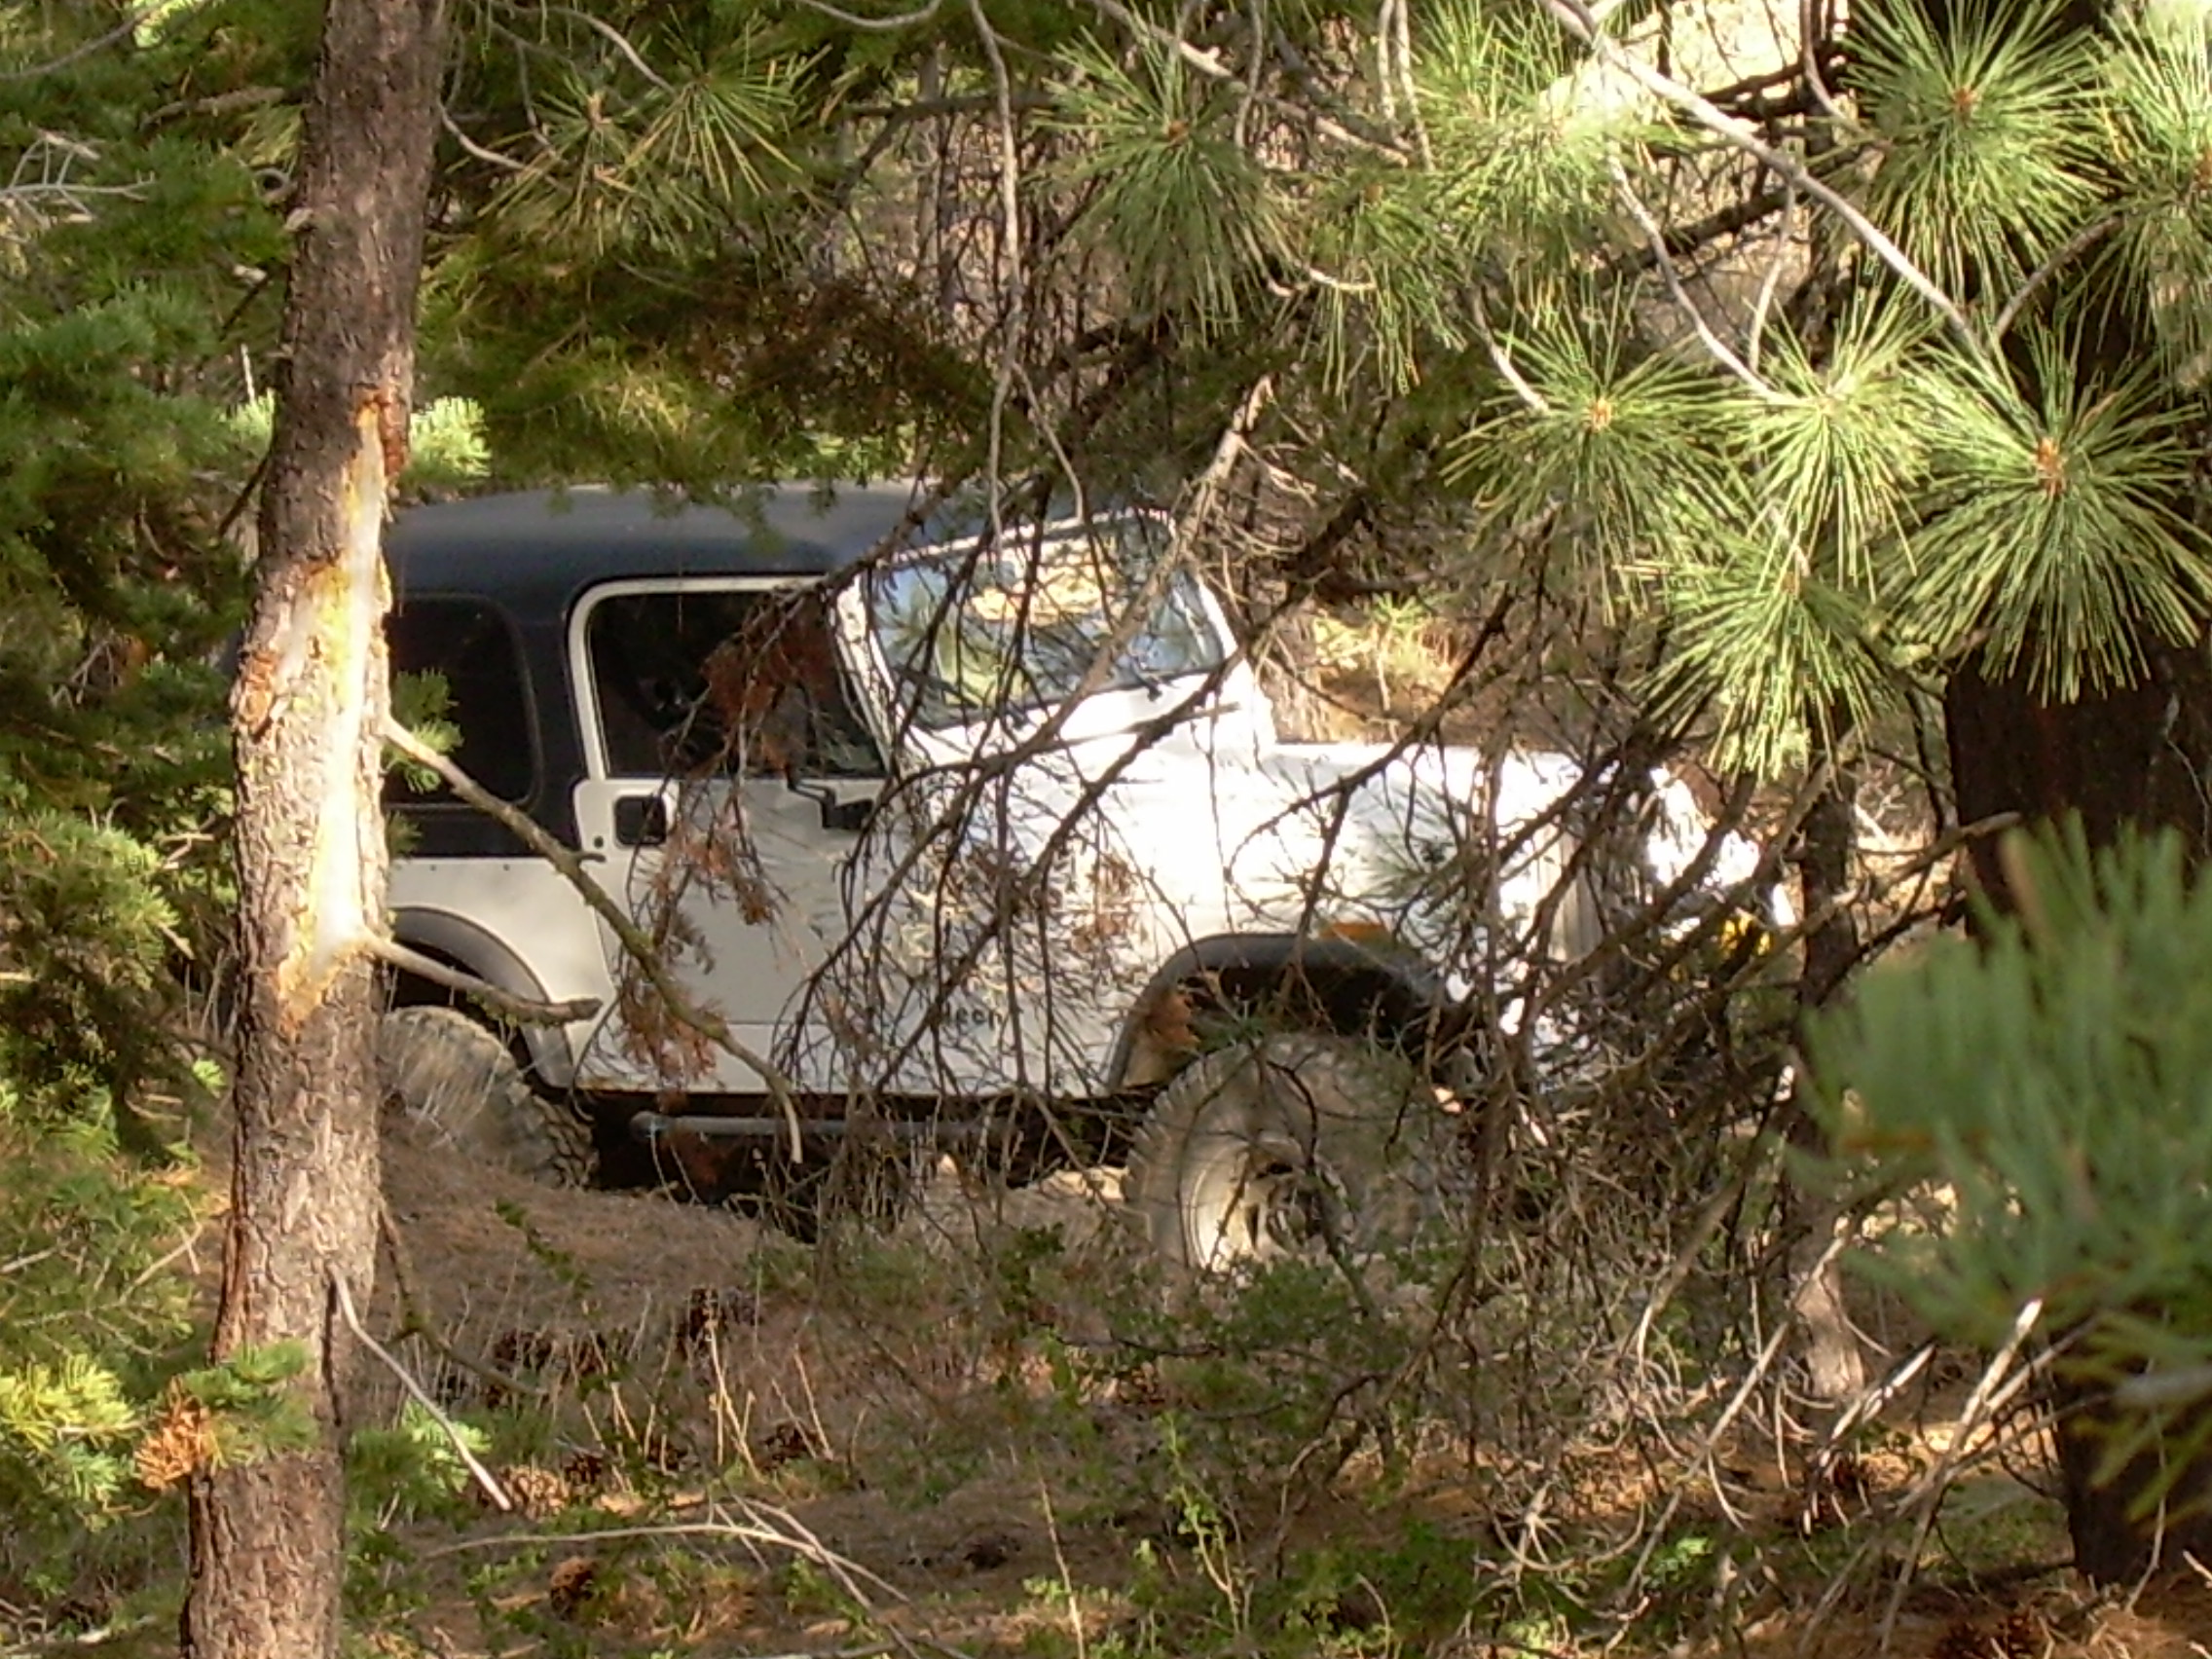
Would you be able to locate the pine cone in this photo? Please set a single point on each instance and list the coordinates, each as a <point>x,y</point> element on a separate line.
<point>569,1588</point>
<point>537,1492</point>
<point>2020,1635</point>
<point>523,1351</point>
<point>590,1353</point>
<point>1962,1638</point>
<point>584,1471</point>
<point>710,1314</point>
<point>786,1443</point>
<point>1141,1389</point>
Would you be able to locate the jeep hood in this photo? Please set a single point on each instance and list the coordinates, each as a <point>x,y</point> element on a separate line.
<point>1282,836</point>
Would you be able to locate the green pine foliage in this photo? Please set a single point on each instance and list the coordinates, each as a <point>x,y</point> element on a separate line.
<point>133,252</point>
<point>2080,483</point>
<point>1920,384</point>
<point>2158,125</point>
<point>1191,215</point>
<point>2054,1081</point>
<point>1497,260</point>
<point>1519,137</point>
<point>1841,446</point>
<point>128,245</point>
<point>91,1321</point>
<point>1591,421</point>
<point>1983,121</point>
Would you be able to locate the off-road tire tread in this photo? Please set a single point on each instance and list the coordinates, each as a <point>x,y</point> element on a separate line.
<point>1377,1149</point>
<point>458,1085</point>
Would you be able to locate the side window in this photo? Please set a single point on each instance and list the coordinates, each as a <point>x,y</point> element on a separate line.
<point>695,681</point>
<point>468,644</point>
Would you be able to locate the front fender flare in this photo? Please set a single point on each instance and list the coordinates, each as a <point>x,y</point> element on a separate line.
<point>1355,988</point>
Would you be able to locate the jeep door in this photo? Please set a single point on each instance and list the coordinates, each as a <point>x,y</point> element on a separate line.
<point>728,780</point>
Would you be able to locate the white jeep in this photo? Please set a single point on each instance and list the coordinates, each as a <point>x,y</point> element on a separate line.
<point>988,839</point>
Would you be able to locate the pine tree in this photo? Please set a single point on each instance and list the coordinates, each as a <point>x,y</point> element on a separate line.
<point>121,249</point>
<point>1967,1069</point>
<point>122,244</point>
<point>1875,371</point>
<point>268,1534</point>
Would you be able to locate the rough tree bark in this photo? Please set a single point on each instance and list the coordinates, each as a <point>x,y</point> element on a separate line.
<point>2139,757</point>
<point>1835,1366</point>
<point>268,1534</point>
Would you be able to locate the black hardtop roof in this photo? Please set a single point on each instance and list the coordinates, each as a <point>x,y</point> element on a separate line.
<point>535,550</point>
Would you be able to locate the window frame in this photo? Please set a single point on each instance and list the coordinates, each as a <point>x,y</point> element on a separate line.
<point>590,724</point>
<point>1184,584</point>
<point>398,797</point>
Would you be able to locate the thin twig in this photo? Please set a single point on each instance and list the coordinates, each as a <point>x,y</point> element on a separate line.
<point>2075,247</point>
<point>1502,361</point>
<point>130,26</point>
<point>876,25</point>
<point>1931,1487</point>
<point>484,1477</point>
<point>1716,346</point>
<point>1010,252</point>
<point>1657,1532</point>
<point>469,146</point>
<point>78,1640</point>
<point>1810,34</point>
<point>795,1538</point>
<point>1578,19</point>
<point>1754,333</point>
<point>615,38</point>
<point>1209,64</point>
<point>416,1322</point>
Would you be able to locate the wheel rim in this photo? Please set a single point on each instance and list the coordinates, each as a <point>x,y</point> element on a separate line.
<point>1299,1147</point>
<point>1260,1201</point>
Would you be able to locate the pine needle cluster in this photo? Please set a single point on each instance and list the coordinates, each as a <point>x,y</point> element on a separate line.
<point>90,1323</point>
<point>2050,1081</point>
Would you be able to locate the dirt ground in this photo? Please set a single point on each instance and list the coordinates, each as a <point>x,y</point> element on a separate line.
<point>749,1447</point>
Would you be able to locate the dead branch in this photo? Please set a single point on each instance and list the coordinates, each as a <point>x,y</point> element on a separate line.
<point>570,863</point>
<point>524,1010</point>
<point>490,1482</point>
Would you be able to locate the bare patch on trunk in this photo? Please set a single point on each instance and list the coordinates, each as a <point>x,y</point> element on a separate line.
<point>342,608</point>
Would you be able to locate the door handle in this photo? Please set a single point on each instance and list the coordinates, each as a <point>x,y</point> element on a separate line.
<point>640,820</point>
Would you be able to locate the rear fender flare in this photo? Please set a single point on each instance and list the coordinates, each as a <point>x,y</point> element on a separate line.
<point>469,947</point>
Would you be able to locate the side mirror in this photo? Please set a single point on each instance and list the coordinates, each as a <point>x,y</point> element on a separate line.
<point>841,814</point>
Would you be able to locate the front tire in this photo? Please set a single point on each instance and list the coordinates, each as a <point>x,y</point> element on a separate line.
<point>1309,1146</point>
<point>458,1085</point>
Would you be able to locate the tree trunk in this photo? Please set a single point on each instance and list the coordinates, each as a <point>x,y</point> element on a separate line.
<point>1835,1367</point>
<point>2130,757</point>
<point>268,1533</point>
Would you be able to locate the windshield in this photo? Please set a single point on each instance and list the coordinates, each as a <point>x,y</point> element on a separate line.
<point>1026,627</point>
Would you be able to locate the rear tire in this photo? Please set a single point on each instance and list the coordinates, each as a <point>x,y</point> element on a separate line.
<point>1308,1147</point>
<point>458,1085</point>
